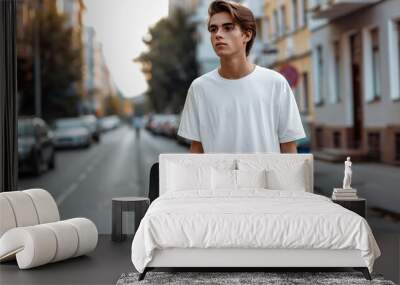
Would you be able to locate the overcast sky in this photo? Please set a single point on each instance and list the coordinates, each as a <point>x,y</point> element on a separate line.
<point>120,26</point>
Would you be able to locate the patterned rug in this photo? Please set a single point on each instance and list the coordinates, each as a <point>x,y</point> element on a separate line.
<point>242,278</point>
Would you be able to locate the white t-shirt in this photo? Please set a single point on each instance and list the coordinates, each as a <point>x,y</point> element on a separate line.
<point>251,114</point>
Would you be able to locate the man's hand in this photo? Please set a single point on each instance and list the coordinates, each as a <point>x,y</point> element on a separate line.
<point>196,147</point>
<point>289,147</point>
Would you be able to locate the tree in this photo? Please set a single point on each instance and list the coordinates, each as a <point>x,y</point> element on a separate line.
<point>170,63</point>
<point>61,65</point>
<point>112,105</point>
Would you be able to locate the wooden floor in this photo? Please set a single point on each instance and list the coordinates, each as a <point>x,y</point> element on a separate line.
<point>103,266</point>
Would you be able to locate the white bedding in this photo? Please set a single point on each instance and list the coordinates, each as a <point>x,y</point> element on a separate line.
<point>250,218</point>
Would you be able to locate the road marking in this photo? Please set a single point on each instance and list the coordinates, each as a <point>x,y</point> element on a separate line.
<point>90,167</point>
<point>67,192</point>
<point>82,176</point>
<point>72,188</point>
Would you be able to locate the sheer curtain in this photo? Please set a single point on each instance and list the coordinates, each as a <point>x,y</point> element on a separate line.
<point>8,97</point>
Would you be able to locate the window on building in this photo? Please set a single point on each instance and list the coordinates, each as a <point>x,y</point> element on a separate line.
<point>374,145</point>
<point>265,35</point>
<point>297,94</point>
<point>398,146</point>
<point>375,63</point>
<point>336,139</point>
<point>283,20</point>
<point>304,93</point>
<point>398,52</point>
<point>319,75</point>
<point>336,51</point>
<point>259,30</point>
<point>295,20</point>
<point>20,20</point>
<point>319,137</point>
<point>305,14</point>
<point>276,24</point>
<point>394,58</point>
<point>60,6</point>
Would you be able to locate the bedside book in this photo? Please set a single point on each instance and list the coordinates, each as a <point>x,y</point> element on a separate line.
<point>334,197</point>
<point>344,194</point>
<point>341,190</point>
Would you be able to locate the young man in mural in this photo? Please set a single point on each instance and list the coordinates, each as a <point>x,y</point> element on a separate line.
<point>239,107</point>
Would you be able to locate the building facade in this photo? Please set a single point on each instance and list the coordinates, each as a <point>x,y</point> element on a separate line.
<point>356,65</point>
<point>257,54</point>
<point>286,49</point>
<point>205,54</point>
<point>73,10</point>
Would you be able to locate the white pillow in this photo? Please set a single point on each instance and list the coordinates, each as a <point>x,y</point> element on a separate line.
<point>251,178</point>
<point>282,173</point>
<point>223,179</point>
<point>293,180</point>
<point>181,177</point>
<point>236,179</point>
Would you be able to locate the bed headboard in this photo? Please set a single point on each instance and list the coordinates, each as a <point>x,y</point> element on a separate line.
<point>213,158</point>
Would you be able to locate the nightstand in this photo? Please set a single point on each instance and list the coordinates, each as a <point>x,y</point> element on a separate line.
<point>358,206</point>
<point>137,204</point>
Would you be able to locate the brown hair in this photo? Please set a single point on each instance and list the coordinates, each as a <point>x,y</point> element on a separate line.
<point>240,14</point>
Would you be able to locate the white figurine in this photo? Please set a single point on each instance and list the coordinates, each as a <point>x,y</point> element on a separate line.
<point>347,174</point>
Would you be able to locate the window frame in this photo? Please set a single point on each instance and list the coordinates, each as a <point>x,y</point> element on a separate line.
<point>394,57</point>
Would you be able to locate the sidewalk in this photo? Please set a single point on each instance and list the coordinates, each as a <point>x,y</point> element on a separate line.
<point>378,183</point>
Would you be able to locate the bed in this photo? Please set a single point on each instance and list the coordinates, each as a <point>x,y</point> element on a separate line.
<point>245,211</point>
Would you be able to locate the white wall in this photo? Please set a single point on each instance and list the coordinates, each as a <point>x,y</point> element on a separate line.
<point>383,112</point>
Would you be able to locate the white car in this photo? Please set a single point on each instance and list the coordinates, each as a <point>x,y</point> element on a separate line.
<point>109,123</point>
<point>93,126</point>
<point>71,132</point>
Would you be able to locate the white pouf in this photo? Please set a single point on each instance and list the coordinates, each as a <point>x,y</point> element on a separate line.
<point>31,232</point>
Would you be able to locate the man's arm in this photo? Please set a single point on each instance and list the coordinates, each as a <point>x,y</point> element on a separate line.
<point>289,147</point>
<point>196,147</point>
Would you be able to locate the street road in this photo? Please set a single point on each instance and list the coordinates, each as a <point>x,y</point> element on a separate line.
<point>85,181</point>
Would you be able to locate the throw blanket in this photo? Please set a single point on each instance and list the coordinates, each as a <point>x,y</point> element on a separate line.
<point>251,218</point>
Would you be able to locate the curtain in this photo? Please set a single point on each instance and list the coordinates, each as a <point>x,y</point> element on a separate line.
<point>8,97</point>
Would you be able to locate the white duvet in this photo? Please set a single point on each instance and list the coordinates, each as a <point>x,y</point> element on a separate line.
<point>251,218</point>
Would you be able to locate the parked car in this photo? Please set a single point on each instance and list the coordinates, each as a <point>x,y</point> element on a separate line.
<point>149,122</point>
<point>174,126</point>
<point>109,123</point>
<point>71,132</point>
<point>169,126</point>
<point>92,124</point>
<point>162,124</point>
<point>35,146</point>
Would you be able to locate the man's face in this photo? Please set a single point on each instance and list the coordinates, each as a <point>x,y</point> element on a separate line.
<point>227,38</point>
